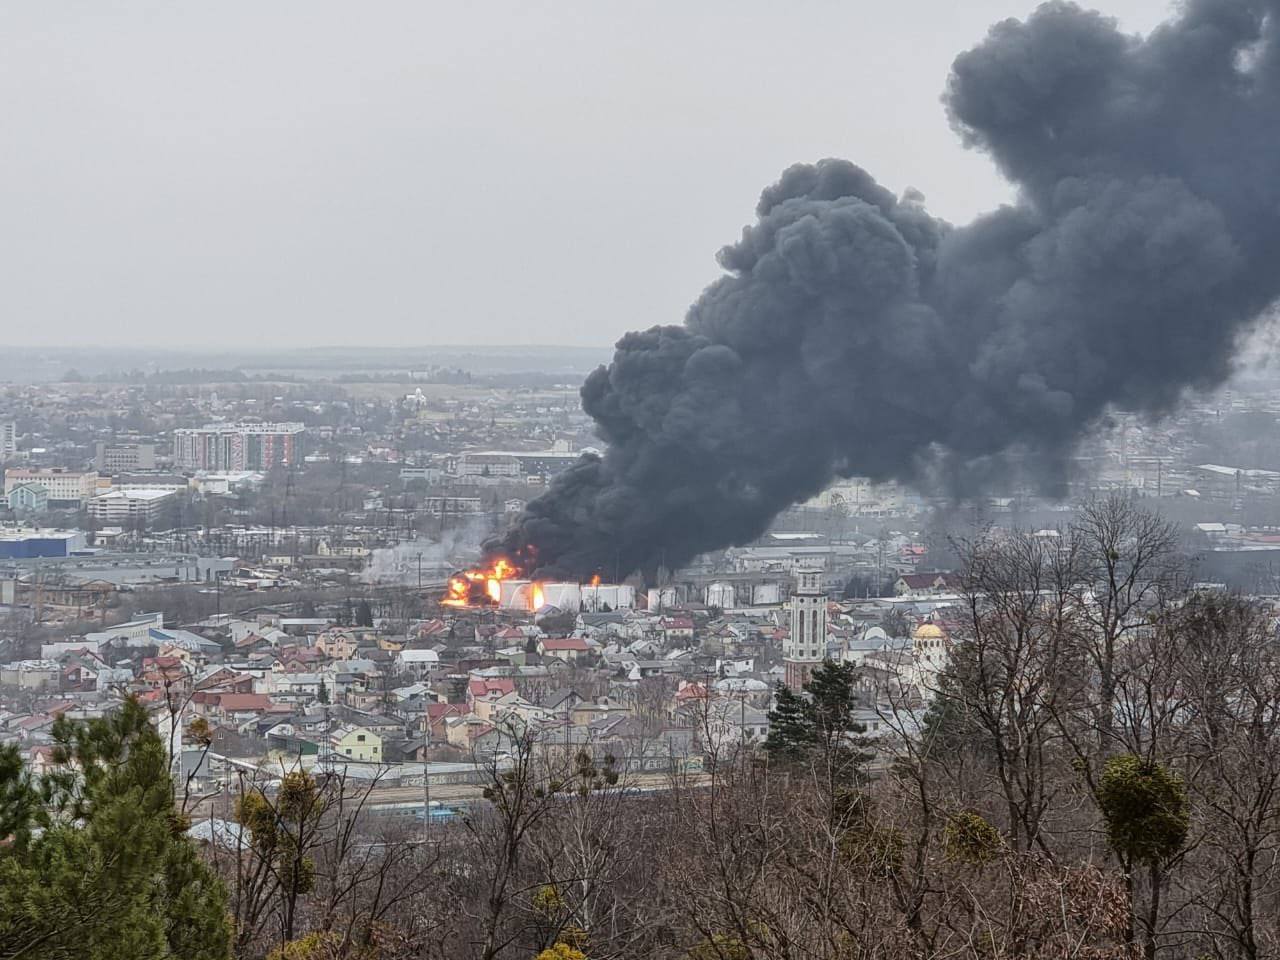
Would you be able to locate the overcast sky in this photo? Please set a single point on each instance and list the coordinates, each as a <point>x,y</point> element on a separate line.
<point>408,173</point>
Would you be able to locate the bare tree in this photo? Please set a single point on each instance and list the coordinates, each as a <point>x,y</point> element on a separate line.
<point>1130,565</point>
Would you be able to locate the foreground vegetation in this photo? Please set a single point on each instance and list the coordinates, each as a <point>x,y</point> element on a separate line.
<point>1097,776</point>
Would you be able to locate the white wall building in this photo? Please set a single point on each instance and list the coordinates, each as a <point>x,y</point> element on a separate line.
<point>67,488</point>
<point>931,651</point>
<point>125,508</point>
<point>420,663</point>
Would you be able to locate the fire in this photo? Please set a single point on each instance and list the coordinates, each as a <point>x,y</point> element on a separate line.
<point>482,587</point>
<point>479,587</point>
<point>595,581</point>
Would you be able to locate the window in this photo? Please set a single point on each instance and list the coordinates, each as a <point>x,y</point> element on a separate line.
<point>348,751</point>
<point>359,738</point>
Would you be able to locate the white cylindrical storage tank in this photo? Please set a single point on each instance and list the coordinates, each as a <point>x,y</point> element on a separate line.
<point>565,596</point>
<point>515,595</point>
<point>720,595</point>
<point>615,596</point>
<point>662,598</point>
<point>766,594</point>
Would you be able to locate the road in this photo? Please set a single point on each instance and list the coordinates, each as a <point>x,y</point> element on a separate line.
<point>454,792</point>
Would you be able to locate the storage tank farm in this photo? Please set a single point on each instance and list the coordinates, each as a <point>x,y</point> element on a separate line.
<point>570,597</point>
<point>500,585</point>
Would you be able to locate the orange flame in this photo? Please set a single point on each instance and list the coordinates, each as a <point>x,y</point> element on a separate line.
<point>595,581</point>
<point>536,594</point>
<point>479,586</point>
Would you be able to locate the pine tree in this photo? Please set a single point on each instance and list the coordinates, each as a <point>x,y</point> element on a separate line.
<point>364,614</point>
<point>818,724</point>
<point>790,726</point>
<point>111,872</point>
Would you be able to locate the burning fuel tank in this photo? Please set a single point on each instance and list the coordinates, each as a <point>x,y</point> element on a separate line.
<point>534,595</point>
<point>563,596</point>
<point>470,589</point>
<point>516,595</point>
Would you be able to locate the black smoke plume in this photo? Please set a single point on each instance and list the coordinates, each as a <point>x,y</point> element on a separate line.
<point>854,334</point>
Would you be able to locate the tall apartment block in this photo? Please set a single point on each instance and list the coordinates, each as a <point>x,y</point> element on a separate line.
<point>237,446</point>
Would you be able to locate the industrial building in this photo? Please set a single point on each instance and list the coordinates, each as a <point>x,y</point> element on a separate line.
<point>515,463</point>
<point>28,543</point>
<point>152,508</point>
<point>238,446</point>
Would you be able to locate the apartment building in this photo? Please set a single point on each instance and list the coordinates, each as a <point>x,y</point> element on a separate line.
<point>115,458</point>
<point>237,446</point>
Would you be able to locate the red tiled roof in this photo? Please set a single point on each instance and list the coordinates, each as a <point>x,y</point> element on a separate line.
<point>691,691</point>
<point>437,711</point>
<point>483,686</point>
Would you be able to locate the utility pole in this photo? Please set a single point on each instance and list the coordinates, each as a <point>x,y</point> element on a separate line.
<point>426,785</point>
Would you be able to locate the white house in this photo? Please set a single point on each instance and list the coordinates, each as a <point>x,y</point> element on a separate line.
<point>419,663</point>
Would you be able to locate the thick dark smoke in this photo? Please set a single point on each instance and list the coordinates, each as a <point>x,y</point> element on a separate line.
<point>854,334</point>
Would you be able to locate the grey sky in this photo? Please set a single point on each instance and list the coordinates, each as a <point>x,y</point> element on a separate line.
<point>240,173</point>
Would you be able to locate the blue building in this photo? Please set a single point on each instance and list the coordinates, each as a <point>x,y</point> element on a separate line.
<point>34,544</point>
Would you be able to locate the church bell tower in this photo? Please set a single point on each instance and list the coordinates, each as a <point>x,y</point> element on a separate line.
<point>806,646</point>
